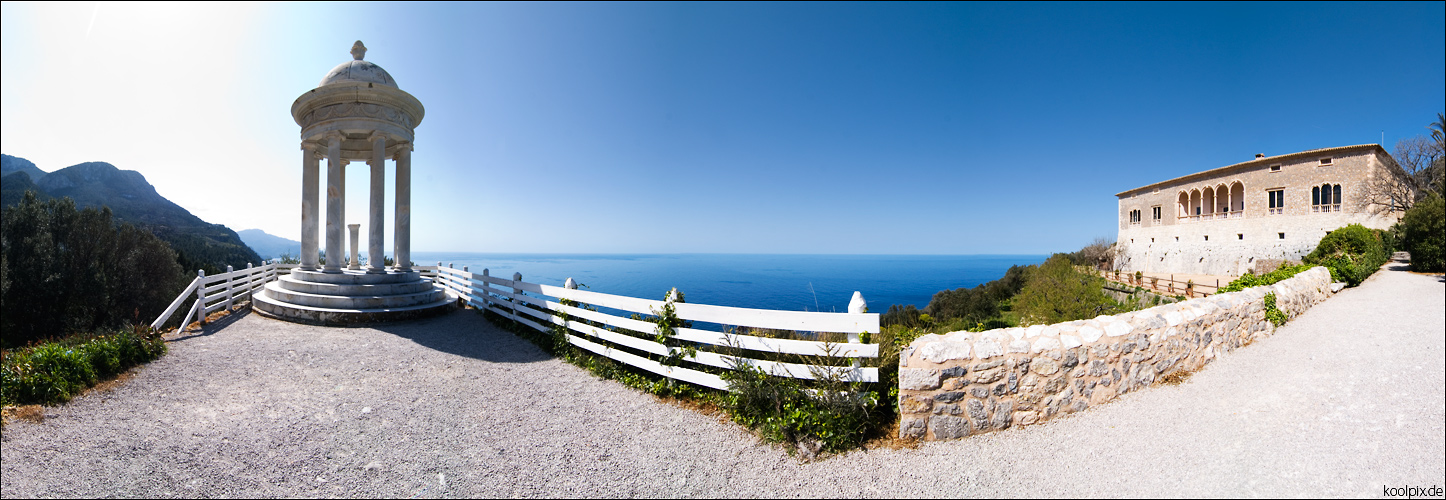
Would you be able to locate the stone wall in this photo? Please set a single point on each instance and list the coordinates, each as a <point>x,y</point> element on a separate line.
<point>963,383</point>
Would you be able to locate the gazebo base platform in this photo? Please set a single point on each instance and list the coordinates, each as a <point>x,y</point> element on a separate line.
<point>351,297</point>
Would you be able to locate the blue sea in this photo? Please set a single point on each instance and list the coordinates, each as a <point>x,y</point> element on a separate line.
<point>785,282</point>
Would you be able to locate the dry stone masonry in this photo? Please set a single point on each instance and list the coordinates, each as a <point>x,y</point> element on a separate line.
<point>964,383</point>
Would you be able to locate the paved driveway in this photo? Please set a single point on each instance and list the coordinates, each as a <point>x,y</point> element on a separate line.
<point>1342,401</point>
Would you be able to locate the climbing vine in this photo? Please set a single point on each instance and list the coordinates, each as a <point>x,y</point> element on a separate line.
<point>667,322</point>
<point>1273,313</point>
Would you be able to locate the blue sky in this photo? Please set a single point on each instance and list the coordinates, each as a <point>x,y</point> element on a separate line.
<point>734,128</point>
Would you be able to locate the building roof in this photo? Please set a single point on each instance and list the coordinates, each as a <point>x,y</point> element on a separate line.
<point>358,70</point>
<point>1266,160</point>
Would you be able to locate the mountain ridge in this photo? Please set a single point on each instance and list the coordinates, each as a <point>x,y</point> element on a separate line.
<point>269,246</point>
<point>11,164</point>
<point>134,200</point>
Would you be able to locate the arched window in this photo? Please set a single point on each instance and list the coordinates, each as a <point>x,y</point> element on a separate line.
<point>1195,207</point>
<point>1237,199</point>
<point>1325,198</point>
<point>1207,203</point>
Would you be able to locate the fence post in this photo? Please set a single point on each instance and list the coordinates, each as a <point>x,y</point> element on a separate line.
<point>486,299</point>
<point>200,298</point>
<point>516,278</point>
<point>229,279</point>
<point>570,285</point>
<point>250,280</point>
<point>857,305</point>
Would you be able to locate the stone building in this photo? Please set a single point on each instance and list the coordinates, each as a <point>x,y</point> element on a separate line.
<point>1249,216</point>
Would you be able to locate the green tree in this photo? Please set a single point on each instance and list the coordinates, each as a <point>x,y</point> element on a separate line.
<point>75,271</point>
<point>1423,234</point>
<point>1056,292</point>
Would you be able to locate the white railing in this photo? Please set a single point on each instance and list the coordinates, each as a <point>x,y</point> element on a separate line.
<point>601,333</point>
<point>221,291</point>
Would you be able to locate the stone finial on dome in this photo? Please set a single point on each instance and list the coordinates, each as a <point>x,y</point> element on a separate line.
<point>358,51</point>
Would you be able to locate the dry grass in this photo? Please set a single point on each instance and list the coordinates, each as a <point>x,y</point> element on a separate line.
<point>110,385</point>
<point>704,407</point>
<point>888,438</point>
<point>1176,377</point>
<point>30,413</point>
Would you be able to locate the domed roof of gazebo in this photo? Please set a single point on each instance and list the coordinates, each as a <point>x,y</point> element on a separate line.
<point>358,70</point>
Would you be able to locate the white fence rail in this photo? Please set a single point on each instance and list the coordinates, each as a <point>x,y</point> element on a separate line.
<point>594,331</point>
<point>221,291</point>
<point>529,304</point>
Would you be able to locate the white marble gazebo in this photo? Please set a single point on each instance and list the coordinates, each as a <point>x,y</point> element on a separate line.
<point>357,113</point>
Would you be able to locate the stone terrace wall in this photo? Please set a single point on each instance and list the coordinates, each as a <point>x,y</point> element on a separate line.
<point>963,383</point>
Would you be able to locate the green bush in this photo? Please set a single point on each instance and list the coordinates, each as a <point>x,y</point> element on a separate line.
<point>54,372</point>
<point>834,416</point>
<point>1423,234</point>
<point>1352,253</point>
<point>1056,293</point>
<point>1250,280</point>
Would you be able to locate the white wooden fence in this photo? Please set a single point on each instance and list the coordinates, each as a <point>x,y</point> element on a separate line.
<point>213,293</point>
<point>511,299</point>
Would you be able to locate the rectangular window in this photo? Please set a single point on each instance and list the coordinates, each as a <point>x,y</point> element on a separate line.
<point>1276,197</point>
<point>1239,236</point>
<point>1282,235</point>
<point>1155,213</point>
<point>1325,161</point>
<point>1275,168</point>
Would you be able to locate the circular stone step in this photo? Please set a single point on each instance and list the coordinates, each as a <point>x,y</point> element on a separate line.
<point>355,277</point>
<point>296,285</point>
<point>275,291</point>
<point>270,307</point>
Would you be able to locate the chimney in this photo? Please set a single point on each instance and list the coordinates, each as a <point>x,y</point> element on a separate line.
<point>1259,156</point>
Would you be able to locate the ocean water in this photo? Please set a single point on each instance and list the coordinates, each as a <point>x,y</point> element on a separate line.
<point>785,282</point>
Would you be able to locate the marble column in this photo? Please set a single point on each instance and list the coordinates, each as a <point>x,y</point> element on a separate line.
<point>354,264</point>
<point>376,262</point>
<point>310,172</point>
<point>334,197</point>
<point>402,245</point>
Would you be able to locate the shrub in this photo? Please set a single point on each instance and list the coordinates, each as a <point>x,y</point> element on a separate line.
<point>1056,292</point>
<point>1352,253</point>
<point>1253,280</point>
<point>834,416</point>
<point>54,372</point>
<point>1423,234</point>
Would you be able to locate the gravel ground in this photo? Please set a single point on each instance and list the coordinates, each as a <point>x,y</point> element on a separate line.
<point>1342,401</point>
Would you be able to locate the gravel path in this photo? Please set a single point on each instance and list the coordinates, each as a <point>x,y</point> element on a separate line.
<point>1340,402</point>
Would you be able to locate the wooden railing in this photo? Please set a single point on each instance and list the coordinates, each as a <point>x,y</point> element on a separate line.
<point>1169,286</point>
<point>220,291</point>
<point>539,307</point>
